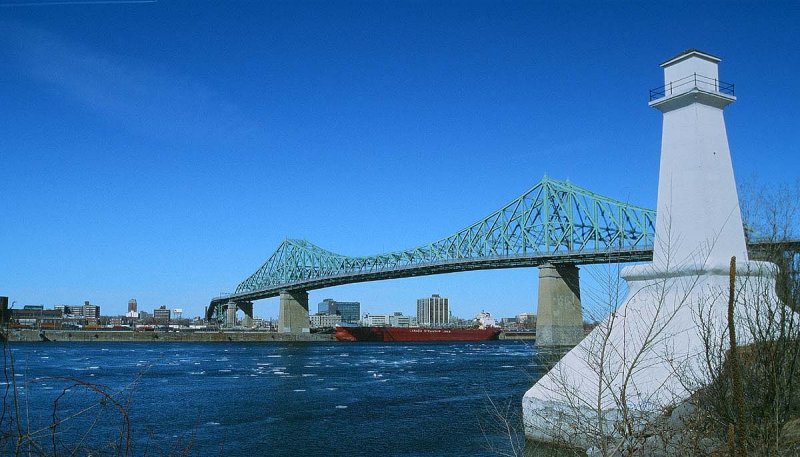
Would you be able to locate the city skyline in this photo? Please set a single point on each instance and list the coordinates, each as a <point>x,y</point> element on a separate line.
<point>313,309</point>
<point>162,151</point>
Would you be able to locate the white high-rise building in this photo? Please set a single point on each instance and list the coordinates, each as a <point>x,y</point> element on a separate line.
<point>433,311</point>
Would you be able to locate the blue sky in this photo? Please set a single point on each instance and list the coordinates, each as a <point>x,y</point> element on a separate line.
<point>163,150</point>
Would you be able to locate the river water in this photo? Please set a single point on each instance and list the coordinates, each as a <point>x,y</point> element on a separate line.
<point>277,399</point>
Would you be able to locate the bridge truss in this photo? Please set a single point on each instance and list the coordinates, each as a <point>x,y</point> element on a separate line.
<point>555,221</point>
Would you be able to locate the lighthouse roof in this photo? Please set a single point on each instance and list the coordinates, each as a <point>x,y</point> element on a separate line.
<point>691,53</point>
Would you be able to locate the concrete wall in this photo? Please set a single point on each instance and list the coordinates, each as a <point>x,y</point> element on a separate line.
<point>518,336</point>
<point>150,337</point>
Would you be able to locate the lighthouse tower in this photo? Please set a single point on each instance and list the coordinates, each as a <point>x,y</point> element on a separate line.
<point>698,208</point>
<point>639,359</point>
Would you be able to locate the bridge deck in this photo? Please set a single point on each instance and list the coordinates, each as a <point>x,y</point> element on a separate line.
<point>450,266</point>
<point>628,255</point>
<point>555,221</point>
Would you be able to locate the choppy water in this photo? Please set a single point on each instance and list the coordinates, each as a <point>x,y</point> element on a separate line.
<point>331,399</point>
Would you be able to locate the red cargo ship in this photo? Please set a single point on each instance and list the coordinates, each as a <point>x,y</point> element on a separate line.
<point>415,334</point>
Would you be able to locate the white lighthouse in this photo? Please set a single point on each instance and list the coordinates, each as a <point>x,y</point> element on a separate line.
<point>645,356</point>
<point>698,208</point>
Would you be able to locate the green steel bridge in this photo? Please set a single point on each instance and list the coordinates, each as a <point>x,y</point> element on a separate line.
<point>553,222</point>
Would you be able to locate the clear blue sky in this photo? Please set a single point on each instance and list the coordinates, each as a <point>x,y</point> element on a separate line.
<point>163,150</point>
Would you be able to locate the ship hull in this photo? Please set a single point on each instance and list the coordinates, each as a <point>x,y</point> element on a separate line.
<point>390,334</point>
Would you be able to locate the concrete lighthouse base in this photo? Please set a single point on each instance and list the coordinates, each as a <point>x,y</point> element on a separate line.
<point>647,356</point>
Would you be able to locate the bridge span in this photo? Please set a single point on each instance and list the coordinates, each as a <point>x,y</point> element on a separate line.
<point>555,226</point>
<point>441,267</point>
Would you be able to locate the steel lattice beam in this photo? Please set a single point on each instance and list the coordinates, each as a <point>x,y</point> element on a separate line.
<point>555,221</point>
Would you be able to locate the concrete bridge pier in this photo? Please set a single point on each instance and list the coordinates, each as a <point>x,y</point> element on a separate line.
<point>559,319</point>
<point>230,314</point>
<point>293,313</point>
<point>247,308</point>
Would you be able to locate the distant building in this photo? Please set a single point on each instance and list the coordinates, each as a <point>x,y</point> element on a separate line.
<point>375,320</point>
<point>395,319</point>
<point>162,314</point>
<point>433,311</point>
<point>325,320</point>
<point>37,317</point>
<point>508,322</point>
<point>91,311</point>
<point>70,311</point>
<point>34,307</point>
<point>133,312</point>
<point>527,320</point>
<point>349,310</point>
<point>398,320</point>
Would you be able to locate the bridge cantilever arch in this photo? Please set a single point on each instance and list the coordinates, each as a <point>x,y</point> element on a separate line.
<point>631,364</point>
<point>555,225</point>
